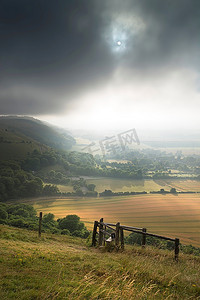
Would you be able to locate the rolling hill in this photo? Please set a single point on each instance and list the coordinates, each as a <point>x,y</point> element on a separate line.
<point>21,135</point>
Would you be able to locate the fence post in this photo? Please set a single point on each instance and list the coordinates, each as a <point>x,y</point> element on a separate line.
<point>101,232</point>
<point>122,238</point>
<point>144,230</point>
<point>40,224</point>
<point>104,236</point>
<point>176,249</point>
<point>117,235</point>
<point>94,234</point>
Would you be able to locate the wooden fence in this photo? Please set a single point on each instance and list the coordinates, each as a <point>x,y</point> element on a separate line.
<point>117,235</point>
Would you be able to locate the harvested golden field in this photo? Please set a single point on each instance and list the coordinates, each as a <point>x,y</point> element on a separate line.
<point>183,185</point>
<point>169,215</point>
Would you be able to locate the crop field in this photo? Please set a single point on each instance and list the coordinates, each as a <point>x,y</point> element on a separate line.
<point>169,215</point>
<point>184,185</point>
<point>123,185</point>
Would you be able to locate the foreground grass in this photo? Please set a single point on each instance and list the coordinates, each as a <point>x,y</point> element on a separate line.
<point>62,267</point>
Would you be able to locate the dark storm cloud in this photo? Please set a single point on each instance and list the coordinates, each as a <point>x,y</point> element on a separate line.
<point>52,46</point>
<point>170,38</point>
<point>53,51</point>
<point>172,33</point>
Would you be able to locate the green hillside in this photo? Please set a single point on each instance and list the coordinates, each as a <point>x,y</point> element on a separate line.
<point>64,267</point>
<point>20,135</point>
<point>16,146</point>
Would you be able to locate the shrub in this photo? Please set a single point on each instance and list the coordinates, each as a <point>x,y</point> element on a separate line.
<point>65,232</point>
<point>3,214</point>
<point>74,225</point>
<point>18,223</point>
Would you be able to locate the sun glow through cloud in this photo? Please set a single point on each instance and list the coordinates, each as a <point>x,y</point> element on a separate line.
<point>121,30</point>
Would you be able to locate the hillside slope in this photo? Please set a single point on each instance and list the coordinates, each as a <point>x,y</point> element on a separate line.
<point>16,146</point>
<point>18,133</point>
<point>62,267</point>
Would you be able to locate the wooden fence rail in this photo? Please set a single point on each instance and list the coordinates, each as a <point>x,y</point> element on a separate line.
<point>117,235</point>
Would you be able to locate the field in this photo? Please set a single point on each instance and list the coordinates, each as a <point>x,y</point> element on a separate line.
<point>63,267</point>
<point>183,185</point>
<point>169,215</point>
<point>123,185</point>
<point>65,188</point>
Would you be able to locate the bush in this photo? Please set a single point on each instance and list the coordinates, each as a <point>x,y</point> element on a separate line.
<point>91,194</point>
<point>65,232</point>
<point>74,225</point>
<point>48,218</point>
<point>70,222</point>
<point>22,212</point>
<point>49,223</point>
<point>136,239</point>
<point>81,233</point>
<point>17,208</point>
<point>3,214</point>
<point>18,223</point>
<point>3,221</point>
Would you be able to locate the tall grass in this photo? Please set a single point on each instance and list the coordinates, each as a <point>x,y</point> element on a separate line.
<point>63,267</point>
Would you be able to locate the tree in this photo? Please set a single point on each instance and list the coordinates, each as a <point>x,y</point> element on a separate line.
<point>91,187</point>
<point>50,190</point>
<point>173,191</point>
<point>72,223</point>
<point>48,218</point>
<point>48,222</point>
<point>32,188</point>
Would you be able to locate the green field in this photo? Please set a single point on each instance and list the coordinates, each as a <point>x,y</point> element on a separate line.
<point>16,146</point>
<point>169,215</point>
<point>124,185</point>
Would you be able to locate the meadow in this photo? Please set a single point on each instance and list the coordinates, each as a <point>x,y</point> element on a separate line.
<point>123,185</point>
<point>128,185</point>
<point>176,216</point>
<point>64,267</point>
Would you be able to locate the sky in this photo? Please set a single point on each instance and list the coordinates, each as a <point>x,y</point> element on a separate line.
<point>102,65</point>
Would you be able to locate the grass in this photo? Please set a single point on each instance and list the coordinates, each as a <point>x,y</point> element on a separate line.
<point>124,185</point>
<point>17,145</point>
<point>62,267</point>
<point>176,216</point>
